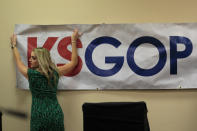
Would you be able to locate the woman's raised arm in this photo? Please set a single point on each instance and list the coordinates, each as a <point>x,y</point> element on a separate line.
<point>74,59</point>
<point>22,68</point>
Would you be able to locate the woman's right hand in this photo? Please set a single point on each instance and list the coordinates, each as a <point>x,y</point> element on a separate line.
<point>13,40</point>
<point>75,35</point>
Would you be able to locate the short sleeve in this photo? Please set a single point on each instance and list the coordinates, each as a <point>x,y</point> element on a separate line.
<point>29,72</point>
<point>57,74</point>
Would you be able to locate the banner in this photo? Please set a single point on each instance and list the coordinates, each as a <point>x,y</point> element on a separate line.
<point>117,56</point>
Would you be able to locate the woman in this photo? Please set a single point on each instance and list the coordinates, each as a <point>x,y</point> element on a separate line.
<point>43,76</point>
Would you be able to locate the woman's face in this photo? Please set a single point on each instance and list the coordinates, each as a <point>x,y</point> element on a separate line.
<point>33,60</point>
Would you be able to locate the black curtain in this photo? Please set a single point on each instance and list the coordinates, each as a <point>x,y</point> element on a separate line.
<point>0,121</point>
<point>115,116</point>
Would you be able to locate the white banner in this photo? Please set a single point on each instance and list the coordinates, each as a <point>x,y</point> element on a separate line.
<point>118,56</point>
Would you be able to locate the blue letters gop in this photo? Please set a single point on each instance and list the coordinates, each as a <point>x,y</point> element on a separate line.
<point>119,60</point>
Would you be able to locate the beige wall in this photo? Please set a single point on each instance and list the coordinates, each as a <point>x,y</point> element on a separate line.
<point>169,110</point>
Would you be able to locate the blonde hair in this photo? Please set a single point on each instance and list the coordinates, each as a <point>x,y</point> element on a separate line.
<point>46,66</point>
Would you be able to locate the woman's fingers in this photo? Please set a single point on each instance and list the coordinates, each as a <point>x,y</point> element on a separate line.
<point>76,34</point>
<point>13,39</point>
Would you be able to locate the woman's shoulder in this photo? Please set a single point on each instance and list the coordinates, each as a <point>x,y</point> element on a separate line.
<point>29,71</point>
<point>33,72</point>
<point>56,72</point>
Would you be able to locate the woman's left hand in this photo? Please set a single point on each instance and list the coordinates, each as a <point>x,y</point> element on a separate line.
<point>13,40</point>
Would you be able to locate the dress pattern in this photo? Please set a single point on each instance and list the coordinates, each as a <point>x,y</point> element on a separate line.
<point>46,113</point>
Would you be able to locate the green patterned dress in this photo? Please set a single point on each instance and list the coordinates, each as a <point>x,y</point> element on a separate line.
<point>46,113</point>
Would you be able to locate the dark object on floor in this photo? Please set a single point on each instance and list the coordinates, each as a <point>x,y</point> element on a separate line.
<point>115,116</point>
<point>13,112</point>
